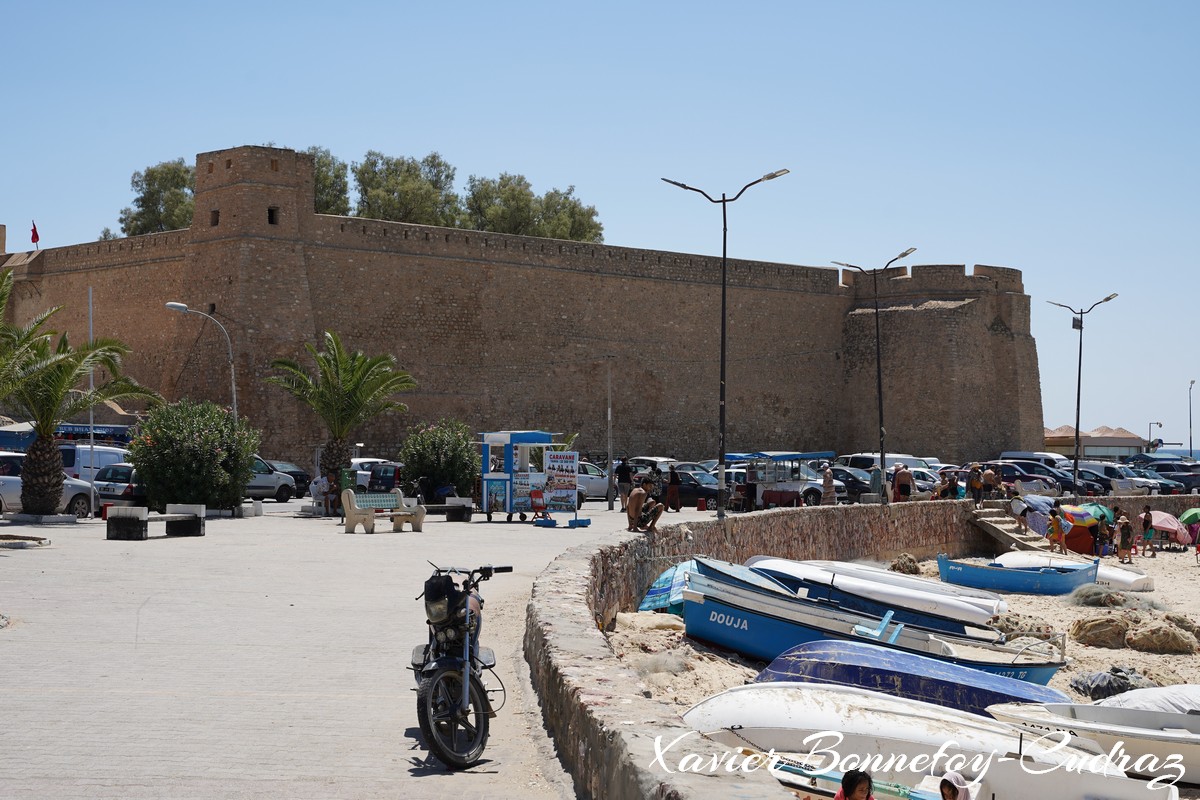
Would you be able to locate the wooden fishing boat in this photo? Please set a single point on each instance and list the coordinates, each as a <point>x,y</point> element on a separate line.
<point>1050,580</point>
<point>894,739</point>
<point>900,674</point>
<point>733,606</point>
<point>1156,744</point>
<point>928,605</point>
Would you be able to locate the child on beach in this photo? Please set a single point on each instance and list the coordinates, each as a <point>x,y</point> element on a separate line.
<point>1057,534</point>
<point>954,787</point>
<point>856,785</point>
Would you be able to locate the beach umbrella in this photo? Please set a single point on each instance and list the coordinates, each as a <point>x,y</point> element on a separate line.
<point>1039,503</point>
<point>1162,521</point>
<point>1192,515</point>
<point>1101,512</point>
<point>667,589</point>
<point>1078,515</point>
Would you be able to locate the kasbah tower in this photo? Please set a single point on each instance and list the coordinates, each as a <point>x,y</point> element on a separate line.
<point>511,333</point>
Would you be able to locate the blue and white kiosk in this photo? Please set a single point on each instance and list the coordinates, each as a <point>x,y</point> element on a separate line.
<point>509,477</point>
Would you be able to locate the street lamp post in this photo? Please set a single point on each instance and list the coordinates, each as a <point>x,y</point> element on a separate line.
<point>182,308</point>
<point>1077,322</point>
<point>1149,434</point>
<point>874,273</point>
<point>724,201</point>
<point>1190,385</point>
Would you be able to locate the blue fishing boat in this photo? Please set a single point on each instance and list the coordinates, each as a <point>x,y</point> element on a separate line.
<point>1050,580</point>
<point>838,590</point>
<point>735,607</point>
<point>901,674</point>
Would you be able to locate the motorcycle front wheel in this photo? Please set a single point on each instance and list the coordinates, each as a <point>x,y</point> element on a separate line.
<point>456,738</point>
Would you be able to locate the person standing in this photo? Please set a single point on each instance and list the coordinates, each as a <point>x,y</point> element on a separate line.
<point>975,485</point>
<point>989,483</point>
<point>828,495</point>
<point>877,482</point>
<point>624,481</point>
<point>1124,539</point>
<point>657,476</point>
<point>1148,534</point>
<point>904,483</point>
<point>1057,533</point>
<point>673,482</point>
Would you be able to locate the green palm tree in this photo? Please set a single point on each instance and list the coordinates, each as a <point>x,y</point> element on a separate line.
<point>17,344</point>
<point>348,390</point>
<point>45,389</point>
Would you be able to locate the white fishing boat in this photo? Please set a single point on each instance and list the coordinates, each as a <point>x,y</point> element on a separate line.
<point>1125,579</point>
<point>1156,744</point>
<point>988,601</point>
<point>839,727</point>
<point>927,597</point>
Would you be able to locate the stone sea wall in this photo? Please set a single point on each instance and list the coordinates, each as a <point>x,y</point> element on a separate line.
<point>605,728</point>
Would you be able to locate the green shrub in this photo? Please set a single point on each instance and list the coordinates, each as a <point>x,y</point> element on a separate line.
<point>190,452</point>
<point>444,453</point>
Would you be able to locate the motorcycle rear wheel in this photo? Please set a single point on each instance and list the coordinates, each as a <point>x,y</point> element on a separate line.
<point>456,739</point>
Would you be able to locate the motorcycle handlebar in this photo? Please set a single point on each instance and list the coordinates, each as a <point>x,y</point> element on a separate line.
<point>501,569</point>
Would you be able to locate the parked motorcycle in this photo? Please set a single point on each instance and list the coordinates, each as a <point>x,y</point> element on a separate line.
<point>454,705</point>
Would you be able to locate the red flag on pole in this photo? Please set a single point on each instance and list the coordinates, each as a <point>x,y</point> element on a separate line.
<point>33,236</point>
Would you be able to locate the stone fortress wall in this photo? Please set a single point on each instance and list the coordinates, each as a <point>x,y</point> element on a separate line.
<point>511,332</point>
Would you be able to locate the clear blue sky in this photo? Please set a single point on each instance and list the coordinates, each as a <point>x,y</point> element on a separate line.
<point>1058,138</point>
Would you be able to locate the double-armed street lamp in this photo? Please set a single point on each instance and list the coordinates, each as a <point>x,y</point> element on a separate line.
<point>724,201</point>
<point>874,273</point>
<point>182,308</point>
<point>1077,323</point>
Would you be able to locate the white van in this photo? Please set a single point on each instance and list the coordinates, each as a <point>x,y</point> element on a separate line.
<point>78,463</point>
<point>868,460</point>
<point>1056,460</point>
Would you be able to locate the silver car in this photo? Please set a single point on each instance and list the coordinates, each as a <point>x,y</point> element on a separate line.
<point>78,497</point>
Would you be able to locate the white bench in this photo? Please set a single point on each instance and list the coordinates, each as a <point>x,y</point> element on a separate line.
<point>1034,487</point>
<point>1125,487</point>
<point>361,509</point>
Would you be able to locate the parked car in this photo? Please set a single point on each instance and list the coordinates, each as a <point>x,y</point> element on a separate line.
<point>266,482</point>
<point>857,481</point>
<point>594,480</point>
<point>709,464</point>
<point>118,485</point>
<point>1010,473</point>
<point>1165,485</point>
<point>363,467</point>
<point>299,475</point>
<point>1063,477</point>
<point>925,480</point>
<point>868,460</point>
<point>1113,471</point>
<point>78,497</point>
<point>1179,471</point>
<point>695,485</point>
<point>78,458</point>
<point>385,476</point>
<point>640,464</point>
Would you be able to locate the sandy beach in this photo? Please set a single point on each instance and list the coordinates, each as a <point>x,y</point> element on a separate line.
<point>681,672</point>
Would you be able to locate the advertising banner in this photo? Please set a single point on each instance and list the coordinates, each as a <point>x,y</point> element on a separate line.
<point>495,495</point>
<point>562,478</point>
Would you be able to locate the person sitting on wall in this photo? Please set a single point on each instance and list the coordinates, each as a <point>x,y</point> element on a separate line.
<point>643,511</point>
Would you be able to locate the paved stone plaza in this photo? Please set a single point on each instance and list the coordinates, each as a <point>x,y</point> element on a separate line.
<point>264,660</point>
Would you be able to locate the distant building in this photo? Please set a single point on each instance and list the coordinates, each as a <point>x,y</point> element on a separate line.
<point>1103,443</point>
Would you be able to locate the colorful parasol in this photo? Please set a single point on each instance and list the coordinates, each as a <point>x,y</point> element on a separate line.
<point>1192,515</point>
<point>1078,515</point>
<point>1100,512</point>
